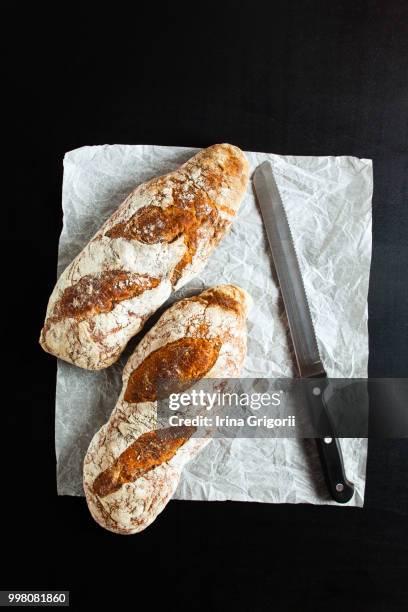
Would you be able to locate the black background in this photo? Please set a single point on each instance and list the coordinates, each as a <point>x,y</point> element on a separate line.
<point>305,78</point>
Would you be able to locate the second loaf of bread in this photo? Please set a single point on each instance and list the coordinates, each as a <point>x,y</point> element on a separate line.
<point>131,468</point>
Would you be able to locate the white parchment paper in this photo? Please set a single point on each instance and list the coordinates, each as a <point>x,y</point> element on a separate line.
<point>328,203</point>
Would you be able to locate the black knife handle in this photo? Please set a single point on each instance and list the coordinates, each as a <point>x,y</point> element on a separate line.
<point>331,458</point>
<point>341,489</point>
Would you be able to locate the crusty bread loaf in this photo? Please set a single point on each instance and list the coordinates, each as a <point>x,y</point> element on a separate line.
<point>132,469</point>
<point>158,239</point>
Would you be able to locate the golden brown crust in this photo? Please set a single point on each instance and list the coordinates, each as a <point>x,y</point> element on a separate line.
<point>97,294</point>
<point>214,172</point>
<point>172,368</point>
<point>213,297</point>
<point>152,224</point>
<point>191,210</point>
<point>148,451</point>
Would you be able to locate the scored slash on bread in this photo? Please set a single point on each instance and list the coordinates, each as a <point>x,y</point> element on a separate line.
<point>158,239</point>
<point>131,468</point>
<point>150,450</point>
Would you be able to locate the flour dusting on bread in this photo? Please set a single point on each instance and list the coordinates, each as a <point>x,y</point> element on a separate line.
<point>156,241</point>
<point>129,476</point>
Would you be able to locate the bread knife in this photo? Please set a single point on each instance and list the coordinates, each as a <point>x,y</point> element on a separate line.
<point>301,327</point>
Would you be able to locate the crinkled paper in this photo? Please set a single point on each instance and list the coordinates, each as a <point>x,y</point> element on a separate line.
<point>328,203</point>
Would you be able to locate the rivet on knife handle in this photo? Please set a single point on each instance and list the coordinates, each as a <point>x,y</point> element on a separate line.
<point>341,490</point>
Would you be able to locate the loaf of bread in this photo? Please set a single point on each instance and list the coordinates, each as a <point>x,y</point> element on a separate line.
<point>131,468</point>
<point>157,240</point>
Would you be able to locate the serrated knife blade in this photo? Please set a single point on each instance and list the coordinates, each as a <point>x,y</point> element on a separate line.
<point>300,323</point>
<point>288,271</point>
